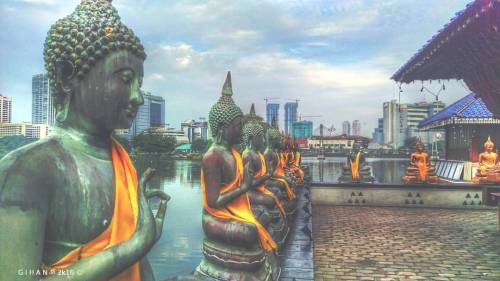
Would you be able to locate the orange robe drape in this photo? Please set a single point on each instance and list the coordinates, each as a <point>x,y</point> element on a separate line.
<point>421,162</point>
<point>280,171</point>
<point>355,167</point>
<point>123,221</point>
<point>238,209</point>
<point>262,188</point>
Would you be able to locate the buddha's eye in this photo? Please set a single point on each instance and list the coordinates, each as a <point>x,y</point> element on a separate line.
<point>126,76</point>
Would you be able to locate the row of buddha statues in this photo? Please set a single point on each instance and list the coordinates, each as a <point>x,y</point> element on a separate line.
<point>249,198</point>
<point>73,202</point>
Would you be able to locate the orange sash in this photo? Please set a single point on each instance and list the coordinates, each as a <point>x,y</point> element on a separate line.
<point>280,171</point>
<point>355,167</point>
<point>262,188</point>
<point>422,167</point>
<point>239,208</point>
<point>123,221</point>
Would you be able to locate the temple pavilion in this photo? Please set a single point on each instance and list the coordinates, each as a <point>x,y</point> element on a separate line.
<point>467,48</point>
<point>467,124</point>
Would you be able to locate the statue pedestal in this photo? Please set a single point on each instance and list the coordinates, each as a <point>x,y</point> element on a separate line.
<point>228,262</point>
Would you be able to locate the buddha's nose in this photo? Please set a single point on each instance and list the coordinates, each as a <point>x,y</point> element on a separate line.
<point>136,96</point>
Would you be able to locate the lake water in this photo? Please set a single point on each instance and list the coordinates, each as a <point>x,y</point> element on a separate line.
<point>179,250</point>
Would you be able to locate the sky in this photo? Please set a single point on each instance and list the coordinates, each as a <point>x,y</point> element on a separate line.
<point>335,56</point>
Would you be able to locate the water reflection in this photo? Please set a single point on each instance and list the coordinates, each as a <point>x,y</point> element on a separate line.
<point>388,171</point>
<point>179,250</point>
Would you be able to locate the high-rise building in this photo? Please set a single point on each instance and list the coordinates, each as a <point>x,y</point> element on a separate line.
<point>356,128</point>
<point>156,111</point>
<point>346,128</point>
<point>395,123</point>
<point>378,133</point>
<point>42,106</point>
<point>302,130</point>
<point>401,121</point>
<point>290,116</point>
<point>150,115</point>
<point>272,112</point>
<point>5,109</point>
<point>195,129</point>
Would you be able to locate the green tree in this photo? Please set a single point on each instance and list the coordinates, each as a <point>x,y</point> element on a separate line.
<point>159,143</point>
<point>199,145</point>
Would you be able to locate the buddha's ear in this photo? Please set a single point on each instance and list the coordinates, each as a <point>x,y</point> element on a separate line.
<point>64,71</point>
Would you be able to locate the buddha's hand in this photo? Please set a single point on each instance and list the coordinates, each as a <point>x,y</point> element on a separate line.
<point>248,175</point>
<point>162,209</point>
<point>147,226</point>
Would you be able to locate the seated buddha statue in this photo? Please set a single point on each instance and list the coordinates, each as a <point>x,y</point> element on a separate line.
<point>82,208</point>
<point>237,246</point>
<point>356,170</point>
<point>488,160</point>
<point>419,170</point>
<point>262,199</point>
<point>279,183</point>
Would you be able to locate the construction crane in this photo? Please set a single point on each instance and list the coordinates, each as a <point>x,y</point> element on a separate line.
<point>309,116</point>
<point>269,98</point>
<point>296,100</point>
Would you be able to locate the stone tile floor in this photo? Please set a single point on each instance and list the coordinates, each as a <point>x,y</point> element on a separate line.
<point>377,243</point>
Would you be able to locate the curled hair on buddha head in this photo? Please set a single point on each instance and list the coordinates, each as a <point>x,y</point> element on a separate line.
<point>76,42</point>
<point>224,111</point>
<point>252,127</point>
<point>273,133</point>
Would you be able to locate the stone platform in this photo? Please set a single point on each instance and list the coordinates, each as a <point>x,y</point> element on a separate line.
<point>297,262</point>
<point>393,243</point>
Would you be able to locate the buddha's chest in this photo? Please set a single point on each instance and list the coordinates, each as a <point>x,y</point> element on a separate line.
<point>82,206</point>
<point>489,158</point>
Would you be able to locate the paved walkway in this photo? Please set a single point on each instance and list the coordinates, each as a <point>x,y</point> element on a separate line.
<point>375,243</point>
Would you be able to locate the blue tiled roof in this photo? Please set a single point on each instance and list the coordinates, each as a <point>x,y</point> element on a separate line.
<point>469,106</point>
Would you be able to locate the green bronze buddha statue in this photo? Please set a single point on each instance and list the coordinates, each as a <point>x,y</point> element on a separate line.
<point>262,200</point>
<point>279,183</point>
<point>356,169</point>
<point>237,246</point>
<point>72,202</point>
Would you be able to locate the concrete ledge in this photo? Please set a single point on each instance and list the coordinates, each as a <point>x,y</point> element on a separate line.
<point>418,196</point>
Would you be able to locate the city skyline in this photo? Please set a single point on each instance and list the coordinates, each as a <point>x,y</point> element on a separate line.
<point>314,51</point>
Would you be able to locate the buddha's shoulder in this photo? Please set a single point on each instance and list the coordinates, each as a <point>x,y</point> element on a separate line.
<point>39,154</point>
<point>215,153</point>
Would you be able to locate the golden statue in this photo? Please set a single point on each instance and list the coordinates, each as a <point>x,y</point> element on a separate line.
<point>420,170</point>
<point>487,164</point>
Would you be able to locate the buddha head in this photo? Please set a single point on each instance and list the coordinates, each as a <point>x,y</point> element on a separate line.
<point>489,145</point>
<point>225,117</point>
<point>419,145</point>
<point>356,147</point>
<point>253,132</point>
<point>273,134</point>
<point>95,66</point>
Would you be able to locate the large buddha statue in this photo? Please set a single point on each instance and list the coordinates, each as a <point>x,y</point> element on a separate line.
<point>279,183</point>
<point>420,170</point>
<point>72,201</point>
<point>262,199</point>
<point>356,170</point>
<point>488,160</point>
<point>237,246</point>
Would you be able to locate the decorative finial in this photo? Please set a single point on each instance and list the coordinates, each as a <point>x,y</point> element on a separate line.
<point>227,89</point>
<point>252,110</point>
<point>489,142</point>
